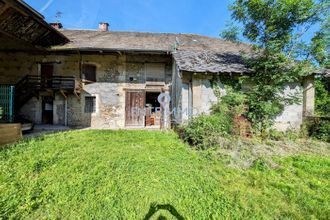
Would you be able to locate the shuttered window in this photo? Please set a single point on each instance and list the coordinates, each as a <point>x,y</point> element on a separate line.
<point>90,104</point>
<point>155,72</point>
<point>89,72</point>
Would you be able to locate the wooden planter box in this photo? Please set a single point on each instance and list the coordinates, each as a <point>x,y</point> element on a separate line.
<point>10,133</point>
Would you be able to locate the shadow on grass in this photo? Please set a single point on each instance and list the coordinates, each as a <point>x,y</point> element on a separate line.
<point>156,207</point>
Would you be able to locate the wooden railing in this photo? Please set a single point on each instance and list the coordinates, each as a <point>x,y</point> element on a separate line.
<point>30,85</point>
<point>54,82</point>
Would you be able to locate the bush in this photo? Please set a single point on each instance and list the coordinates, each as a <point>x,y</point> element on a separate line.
<point>234,103</point>
<point>322,94</point>
<point>204,131</point>
<point>319,129</point>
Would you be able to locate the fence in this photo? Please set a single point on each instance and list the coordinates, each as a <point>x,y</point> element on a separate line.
<point>7,103</point>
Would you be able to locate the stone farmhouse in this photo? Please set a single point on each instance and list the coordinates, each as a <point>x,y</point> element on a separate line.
<point>109,79</point>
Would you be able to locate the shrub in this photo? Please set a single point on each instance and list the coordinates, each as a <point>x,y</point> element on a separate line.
<point>319,129</point>
<point>204,131</point>
<point>322,101</point>
<point>234,103</point>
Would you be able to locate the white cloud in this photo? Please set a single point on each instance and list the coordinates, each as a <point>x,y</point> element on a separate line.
<point>46,5</point>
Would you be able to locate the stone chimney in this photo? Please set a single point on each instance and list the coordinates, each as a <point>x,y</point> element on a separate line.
<point>103,26</point>
<point>56,25</point>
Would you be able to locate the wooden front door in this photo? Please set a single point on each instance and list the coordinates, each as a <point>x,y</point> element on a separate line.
<point>47,71</point>
<point>134,109</point>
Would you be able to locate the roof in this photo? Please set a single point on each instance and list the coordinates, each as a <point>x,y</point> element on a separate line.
<point>194,53</point>
<point>20,22</point>
<point>323,72</point>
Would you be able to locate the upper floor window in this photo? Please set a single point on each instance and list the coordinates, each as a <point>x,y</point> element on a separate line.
<point>89,72</point>
<point>155,72</point>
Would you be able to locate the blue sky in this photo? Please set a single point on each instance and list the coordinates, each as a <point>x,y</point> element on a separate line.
<point>207,17</point>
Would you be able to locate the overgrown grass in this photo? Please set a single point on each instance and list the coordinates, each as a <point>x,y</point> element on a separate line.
<point>126,174</point>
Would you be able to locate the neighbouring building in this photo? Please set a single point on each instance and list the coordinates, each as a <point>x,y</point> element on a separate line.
<point>110,79</point>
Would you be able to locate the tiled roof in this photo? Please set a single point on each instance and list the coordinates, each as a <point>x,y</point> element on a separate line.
<point>192,52</point>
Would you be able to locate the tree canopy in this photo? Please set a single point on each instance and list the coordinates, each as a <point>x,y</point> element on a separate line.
<point>276,28</point>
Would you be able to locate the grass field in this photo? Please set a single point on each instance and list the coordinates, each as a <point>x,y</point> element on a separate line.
<point>132,174</point>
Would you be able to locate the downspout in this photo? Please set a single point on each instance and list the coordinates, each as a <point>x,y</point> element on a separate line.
<point>66,112</point>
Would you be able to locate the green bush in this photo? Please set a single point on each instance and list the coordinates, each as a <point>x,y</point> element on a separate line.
<point>319,129</point>
<point>322,94</point>
<point>204,131</point>
<point>233,104</point>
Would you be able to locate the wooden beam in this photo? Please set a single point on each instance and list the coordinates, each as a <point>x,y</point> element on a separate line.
<point>63,93</point>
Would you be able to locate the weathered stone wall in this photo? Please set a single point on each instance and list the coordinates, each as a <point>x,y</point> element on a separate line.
<point>203,94</point>
<point>114,76</point>
<point>203,98</point>
<point>32,110</point>
<point>292,115</point>
<point>13,66</point>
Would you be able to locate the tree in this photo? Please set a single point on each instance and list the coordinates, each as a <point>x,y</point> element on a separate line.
<point>231,32</point>
<point>276,27</point>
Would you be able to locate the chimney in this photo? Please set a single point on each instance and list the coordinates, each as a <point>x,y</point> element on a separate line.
<point>56,25</point>
<point>103,26</point>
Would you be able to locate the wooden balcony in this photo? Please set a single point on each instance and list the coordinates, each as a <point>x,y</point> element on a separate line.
<point>31,86</point>
<point>54,83</point>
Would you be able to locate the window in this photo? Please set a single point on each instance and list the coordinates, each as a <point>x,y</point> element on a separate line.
<point>90,104</point>
<point>89,72</point>
<point>155,72</point>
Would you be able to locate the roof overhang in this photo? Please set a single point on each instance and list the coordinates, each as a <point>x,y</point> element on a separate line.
<point>106,50</point>
<point>21,23</point>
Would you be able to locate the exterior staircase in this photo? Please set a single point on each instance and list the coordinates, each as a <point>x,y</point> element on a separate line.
<point>30,86</point>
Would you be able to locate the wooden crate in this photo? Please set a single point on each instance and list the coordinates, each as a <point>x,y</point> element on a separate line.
<point>10,133</point>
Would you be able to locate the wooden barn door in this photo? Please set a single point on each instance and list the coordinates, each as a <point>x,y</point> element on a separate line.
<point>134,108</point>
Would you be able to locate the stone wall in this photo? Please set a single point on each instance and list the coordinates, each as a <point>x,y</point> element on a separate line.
<point>203,98</point>
<point>114,73</point>
<point>14,66</point>
<point>292,115</point>
<point>117,73</point>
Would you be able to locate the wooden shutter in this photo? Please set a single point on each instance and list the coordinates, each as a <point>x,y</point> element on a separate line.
<point>155,72</point>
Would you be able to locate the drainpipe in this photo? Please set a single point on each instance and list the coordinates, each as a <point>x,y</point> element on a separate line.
<point>66,112</point>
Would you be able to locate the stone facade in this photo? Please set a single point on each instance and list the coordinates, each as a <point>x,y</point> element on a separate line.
<point>194,91</point>
<point>115,74</point>
<point>191,94</point>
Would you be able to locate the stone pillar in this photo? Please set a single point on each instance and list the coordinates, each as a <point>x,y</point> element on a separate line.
<point>309,96</point>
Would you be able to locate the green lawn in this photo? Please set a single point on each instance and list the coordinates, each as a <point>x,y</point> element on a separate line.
<point>124,174</point>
